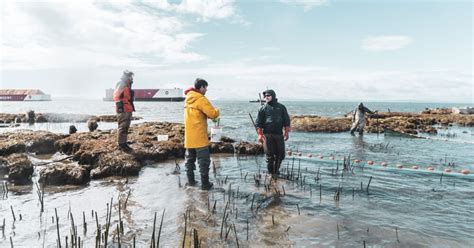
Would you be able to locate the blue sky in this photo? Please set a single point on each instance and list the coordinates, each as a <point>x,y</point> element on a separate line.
<point>305,50</point>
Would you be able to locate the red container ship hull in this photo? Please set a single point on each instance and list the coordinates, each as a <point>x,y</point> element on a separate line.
<point>152,95</point>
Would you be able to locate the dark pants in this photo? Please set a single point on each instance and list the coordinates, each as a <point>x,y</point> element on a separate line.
<point>204,161</point>
<point>124,120</point>
<point>274,148</point>
<point>358,126</point>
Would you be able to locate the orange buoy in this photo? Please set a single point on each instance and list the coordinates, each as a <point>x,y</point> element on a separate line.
<point>289,153</point>
<point>399,166</point>
<point>465,172</point>
<point>430,168</point>
<point>356,161</point>
<point>415,167</point>
<point>447,170</point>
<point>331,158</point>
<point>370,162</point>
<point>310,155</point>
<point>383,164</point>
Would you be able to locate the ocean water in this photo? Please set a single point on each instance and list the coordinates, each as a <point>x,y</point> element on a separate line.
<point>419,208</point>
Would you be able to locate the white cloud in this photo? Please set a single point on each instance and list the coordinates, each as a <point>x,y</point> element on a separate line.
<point>89,33</point>
<point>386,43</point>
<point>205,10</point>
<point>208,9</point>
<point>243,80</point>
<point>307,4</point>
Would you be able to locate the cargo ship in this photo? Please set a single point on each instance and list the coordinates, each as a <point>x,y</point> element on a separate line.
<point>23,95</point>
<point>152,95</point>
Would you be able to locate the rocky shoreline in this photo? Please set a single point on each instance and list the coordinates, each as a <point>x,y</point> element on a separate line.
<point>32,117</point>
<point>95,155</point>
<point>408,123</point>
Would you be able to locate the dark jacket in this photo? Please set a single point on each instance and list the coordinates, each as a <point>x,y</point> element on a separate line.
<point>361,109</point>
<point>272,117</point>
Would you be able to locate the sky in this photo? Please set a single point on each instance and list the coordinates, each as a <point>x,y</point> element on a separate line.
<point>319,50</point>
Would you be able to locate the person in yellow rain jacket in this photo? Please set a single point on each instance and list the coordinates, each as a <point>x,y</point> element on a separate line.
<point>197,109</point>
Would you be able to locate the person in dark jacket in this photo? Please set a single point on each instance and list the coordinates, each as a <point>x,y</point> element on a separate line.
<point>358,118</point>
<point>273,127</point>
<point>123,98</point>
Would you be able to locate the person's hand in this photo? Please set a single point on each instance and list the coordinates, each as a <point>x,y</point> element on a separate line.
<point>261,137</point>
<point>286,133</point>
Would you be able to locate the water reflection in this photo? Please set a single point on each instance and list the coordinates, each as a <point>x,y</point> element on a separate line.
<point>359,146</point>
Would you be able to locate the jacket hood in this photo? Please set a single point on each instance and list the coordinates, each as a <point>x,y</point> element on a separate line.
<point>120,85</point>
<point>272,93</point>
<point>192,95</point>
<point>189,90</point>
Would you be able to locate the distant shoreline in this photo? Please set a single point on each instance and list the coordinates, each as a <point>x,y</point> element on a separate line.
<point>282,100</point>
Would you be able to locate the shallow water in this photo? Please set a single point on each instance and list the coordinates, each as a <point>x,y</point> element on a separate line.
<point>423,211</point>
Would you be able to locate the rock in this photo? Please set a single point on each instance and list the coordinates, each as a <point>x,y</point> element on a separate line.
<point>221,147</point>
<point>98,151</point>
<point>31,117</point>
<point>18,168</point>
<point>320,124</point>
<point>227,139</point>
<point>115,164</point>
<point>41,118</point>
<point>438,111</point>
<point>410,123</point>
<point>109,118</point>
<point>249,148</point>
<point>8,146</point>
<point>64,174</point>
<point>158,151</point>
<point>466,121</point>
<point>72,129</point>
<point>9,118</point>
<point>113,118</point>
<point>94,148</point>
<point>89,150</point>
<point>39,142</point>
<point>92,125</point>
<point>4,169</point>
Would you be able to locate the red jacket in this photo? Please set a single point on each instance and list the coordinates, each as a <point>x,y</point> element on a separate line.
<point>124,95</point>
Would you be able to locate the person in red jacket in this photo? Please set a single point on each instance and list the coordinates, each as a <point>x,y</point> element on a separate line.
<point>123,98</point>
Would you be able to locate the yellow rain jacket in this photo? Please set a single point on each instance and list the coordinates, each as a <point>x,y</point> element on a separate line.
<point>197,109</point>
